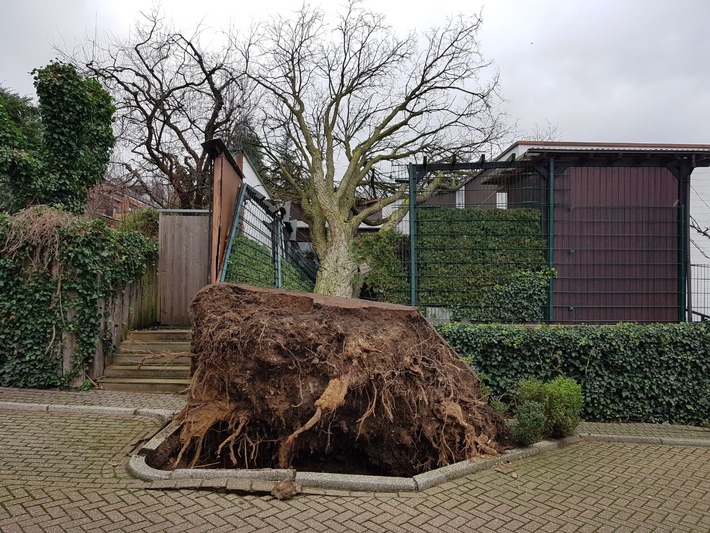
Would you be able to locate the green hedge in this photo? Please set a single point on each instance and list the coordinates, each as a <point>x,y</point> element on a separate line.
<point>650,373</point>
<point>250,262</point>
<point>386,279</point>
<point>488,265</point>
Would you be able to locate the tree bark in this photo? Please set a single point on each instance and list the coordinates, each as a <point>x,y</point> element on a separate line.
<point>338,269</point>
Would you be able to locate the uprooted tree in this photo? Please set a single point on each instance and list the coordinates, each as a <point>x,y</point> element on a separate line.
<point>297,380</point>
<point>339,101</point>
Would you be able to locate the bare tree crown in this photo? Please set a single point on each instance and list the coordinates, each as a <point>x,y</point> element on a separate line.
<point>172,94</point>
<point>347,95</point>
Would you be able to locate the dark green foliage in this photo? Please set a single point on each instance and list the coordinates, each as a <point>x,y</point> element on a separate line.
<point>71,154</point>
<point>561,399</point>
<point>521,298</point>
<point>563,403</point>
<point>20,143</point>
<point>24,116</point>
<point>529,426</point>
<point>252,263</point>
<point>54,270</point>
<point>386,280</point>
<point>531,390</point>
<point>144,221</point>
<point>650,373</point>
<point>488,265</point>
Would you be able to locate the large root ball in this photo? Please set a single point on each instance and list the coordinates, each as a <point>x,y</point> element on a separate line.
<point>286,379</point>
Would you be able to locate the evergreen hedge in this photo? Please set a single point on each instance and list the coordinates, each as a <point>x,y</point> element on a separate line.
<point>647,373</point>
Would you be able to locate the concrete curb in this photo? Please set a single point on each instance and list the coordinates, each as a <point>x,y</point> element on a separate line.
<point>313,482</point>
<point>658,441</point>
<point>159,414</point>
<point>323,480</point>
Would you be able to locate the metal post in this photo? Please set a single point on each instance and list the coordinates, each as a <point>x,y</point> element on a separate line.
<point>278,239</point>
<point>235,227</point>
<point>551,238</point>
<point>412,236</point>
<point>686,171</point>
<point>683,275</point>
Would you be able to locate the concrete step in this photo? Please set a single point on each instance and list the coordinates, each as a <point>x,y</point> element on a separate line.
<point>148,371</point>
<point>157,359</point>
<point>144,385</point>
<point>127,347</point>
<point>160,335</point>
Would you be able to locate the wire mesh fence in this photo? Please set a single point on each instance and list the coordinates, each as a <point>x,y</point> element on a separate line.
<point>260,251</point>
<point>515,245</point>
<point>532,244</point>
<point>701,292</point>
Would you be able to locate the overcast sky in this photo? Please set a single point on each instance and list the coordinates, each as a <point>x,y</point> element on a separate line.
<point>602,70</point>
<point>598,70</point>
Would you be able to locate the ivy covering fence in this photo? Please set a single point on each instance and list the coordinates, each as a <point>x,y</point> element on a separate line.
<point>648,373</point>
<point>483,265</point>
<point>55,269</point>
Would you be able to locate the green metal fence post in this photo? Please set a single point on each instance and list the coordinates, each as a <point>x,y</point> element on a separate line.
<point>551,238</point>
<point>278,240</point>
<point>682,286</point>
<point>412,237</point>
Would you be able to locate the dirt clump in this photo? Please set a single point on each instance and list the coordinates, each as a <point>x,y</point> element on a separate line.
<point>291,380</point>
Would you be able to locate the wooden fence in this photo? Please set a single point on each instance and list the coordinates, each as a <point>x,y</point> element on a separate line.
<point>133,307</point>
<point>183,264</point>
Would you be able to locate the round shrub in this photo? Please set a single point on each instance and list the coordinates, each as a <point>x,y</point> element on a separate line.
<point>529,426</point>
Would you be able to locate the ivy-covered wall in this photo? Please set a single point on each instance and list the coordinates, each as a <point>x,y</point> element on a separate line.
<point>57,272</point>
<point>649,373</point>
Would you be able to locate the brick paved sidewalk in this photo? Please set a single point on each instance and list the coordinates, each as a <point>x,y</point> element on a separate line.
<point>66,472</point>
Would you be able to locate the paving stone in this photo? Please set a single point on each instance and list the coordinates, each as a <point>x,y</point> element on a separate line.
<point>64,471</point>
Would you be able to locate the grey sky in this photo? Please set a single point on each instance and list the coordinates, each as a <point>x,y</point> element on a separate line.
<point>600,70</point>
<point>605,70</point>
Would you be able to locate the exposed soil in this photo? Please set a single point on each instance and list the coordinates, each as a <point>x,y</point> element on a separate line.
<point>287,379</point>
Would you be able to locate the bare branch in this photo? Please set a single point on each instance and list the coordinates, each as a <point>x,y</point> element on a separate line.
<point>172,94</point>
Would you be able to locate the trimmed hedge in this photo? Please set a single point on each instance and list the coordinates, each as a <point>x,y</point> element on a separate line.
<point>487,265</point>
<point>649,373</point>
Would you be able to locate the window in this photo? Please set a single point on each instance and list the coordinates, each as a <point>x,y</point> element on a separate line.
<point>501,200</point>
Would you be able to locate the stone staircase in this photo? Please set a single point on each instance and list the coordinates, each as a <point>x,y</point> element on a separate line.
<point>150,361</point>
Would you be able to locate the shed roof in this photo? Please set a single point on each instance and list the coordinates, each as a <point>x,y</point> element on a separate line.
<point>608,154</point>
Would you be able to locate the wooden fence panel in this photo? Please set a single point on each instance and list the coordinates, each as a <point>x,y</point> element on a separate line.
<point>183,265</point>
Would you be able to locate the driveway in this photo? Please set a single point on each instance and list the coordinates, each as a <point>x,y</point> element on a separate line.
<point>65,471</point>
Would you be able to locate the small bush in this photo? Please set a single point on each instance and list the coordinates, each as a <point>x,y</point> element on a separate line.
<point>529,426</point>
<point>144,221</point>
<point>499,406</point>
<point>559,403</point>
<point>531,390</point>
<point>563,404</point>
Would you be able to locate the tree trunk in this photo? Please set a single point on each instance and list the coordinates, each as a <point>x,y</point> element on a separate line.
<point>336,275</point>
